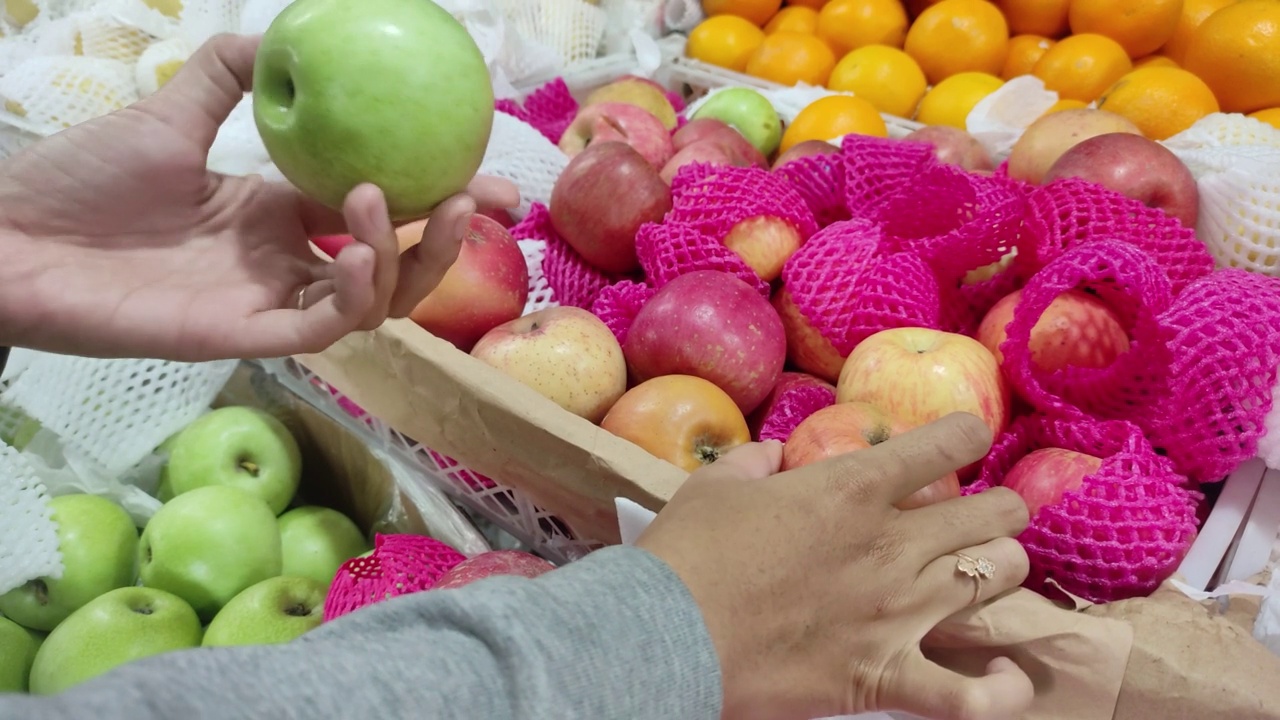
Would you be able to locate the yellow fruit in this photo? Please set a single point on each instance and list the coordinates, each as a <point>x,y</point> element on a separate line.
<point>811,4</point>
<point>884,76</point>
<point>1194,12</point>
<point>1236,51</point>
<point>1154,61</point>
<point>789,58</point>
<point>793,19</point>
<point>1024,52</point>
<point>950,101</point>
<point>1036,17</point>
<point>1270,116</point>
<point>757,11</point>
<point>724,40</point>
<point>1065,105</point>
<point>1140,26</point>
<point>20,12</point>
<point>831,117</point>
<point>958,36</point>
<point>850,24</point>
<point>1161,101</point>
<point>1081,67</point>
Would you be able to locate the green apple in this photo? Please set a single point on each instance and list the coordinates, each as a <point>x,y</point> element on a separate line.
<point>242,447</point>
<point>390,92</point>
<point>99,546</point>
<point>748,112</point>
<point>317,540</point>
<point>207,545</point>
<point>164,492</point>
<point>275,610</point>
<point>19,647</point>
<point>124,625</point>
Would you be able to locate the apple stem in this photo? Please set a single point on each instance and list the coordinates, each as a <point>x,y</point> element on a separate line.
<point>40,589</point>
<point>297,611</point>
<point>249,467</point>
<point>143,610</point>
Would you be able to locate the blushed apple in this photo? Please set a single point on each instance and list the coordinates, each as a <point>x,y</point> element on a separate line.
<point>500,215</point>
<point>713,325</point>
<point>602,198</point>
<point>711,152</point>
<point>685,420</point>
<point>331,245</point>
<point>788,382</point>
<point>328,126</point>
<point>637,91</point>
<point>849,427</point>
<point>619,122</point>
<point>977,276</point>
<point>748,112</point>
<point>921,375</point>
<point>1078,329</point>
<point>954,146</point>
<point>805,148</point>
<point>99,546</point>
<point>807,349</point>
<point>237,446</point>
<point>276,610</point>
<point>1046,139</point>
<point>764,243</point>
<point>486,286</point>
<point>315,541</point>
<point>565,353</point>
<point>1043,477</point>
<point>1136,167</point>
<point>704,129</point>
<point>495,562</point>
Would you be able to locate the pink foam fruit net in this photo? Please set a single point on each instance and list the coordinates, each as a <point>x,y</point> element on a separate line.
<point>399,565</point>
<point>551,108</point>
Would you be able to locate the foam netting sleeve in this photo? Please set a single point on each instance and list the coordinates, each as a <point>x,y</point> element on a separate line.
<point>1122,532</point>
<point>849,287</point>
<point>571,280</point>
<point>875,168</point>
<point>819,179</point>
<point>670,249</point>
<point>789,406</point>
<point>1130,283</point>
<point>28,535</point>
<point>1239,219</point>
<point>712,199</point>
<point>549,109</point>
<point>1071,211</point>
<point>519,153</point>
<point>618,304</point>
<point>399,565</point>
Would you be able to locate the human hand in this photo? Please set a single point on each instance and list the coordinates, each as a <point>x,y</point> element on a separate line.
<point>118,241</point>
<point>817,592</point>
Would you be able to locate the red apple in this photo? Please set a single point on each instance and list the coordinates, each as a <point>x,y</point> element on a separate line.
<point>685,420</point>
<point>787,382</point>
<point>805,148</point>
<point>1077,329</point>
<point>638,91</point>
<point>848,427</point>
<point>712,152</point>
<point>408,235</point>
<point>565,353</point>
<point>807,349</point>
<point>602,198</point>
<point>619,122</point>
<point>1046,139</point>
<point>501,215</point>
<point>954,146</point>
<point>715,326</point>
<point>486,286</point>
<point>496,562</point>
<point>1137,167</point>
<point>331,245</point>
<point>921,375</point>
<point>764,243</point>
<point>1044,476</point>
<point>704,129</point>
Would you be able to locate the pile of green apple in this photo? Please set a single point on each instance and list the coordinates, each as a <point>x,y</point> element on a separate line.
<point>230,558</point>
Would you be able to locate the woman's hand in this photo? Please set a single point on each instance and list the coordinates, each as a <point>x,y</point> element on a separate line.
<point>817,592</point>
<point>118,242</point>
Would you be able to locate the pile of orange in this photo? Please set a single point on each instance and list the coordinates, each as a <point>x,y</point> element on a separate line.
<point>1163,64</point>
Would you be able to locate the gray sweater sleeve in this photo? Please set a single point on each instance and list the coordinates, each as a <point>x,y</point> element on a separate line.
<point>615,636</point>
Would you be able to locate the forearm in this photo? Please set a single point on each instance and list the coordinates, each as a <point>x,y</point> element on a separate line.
<point>614,636</point>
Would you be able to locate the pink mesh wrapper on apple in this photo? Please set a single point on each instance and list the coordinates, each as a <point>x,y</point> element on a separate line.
<point>845,284</point>
<point>1071,212</point>
<point>670,249</point>
<point>876,168</point>
<point>1125,278</point>
<point>791,409</point>
<point>549,109</point>
<point>1225,340</point>
<point>819,179</point>
<point>1122,532</point>
<point>571,279</point>
<point>399,565</point>
<point>618,304</point>
<point>712,199</point>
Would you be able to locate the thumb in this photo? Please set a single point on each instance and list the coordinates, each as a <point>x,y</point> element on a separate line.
<point>752,461</point>
<point>200,96</point>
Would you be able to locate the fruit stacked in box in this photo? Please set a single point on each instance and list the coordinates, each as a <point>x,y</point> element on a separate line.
<point>710,285</point>
<point>235,555</point>
<point>1162,64</point>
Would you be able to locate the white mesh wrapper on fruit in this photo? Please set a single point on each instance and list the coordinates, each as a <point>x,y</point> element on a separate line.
<point>629,24</point>
<point>541,296</point>
<point>574,29</point>
<point>1220,130</point>
<point>28,536</point>
<point>682,15</point>
<point>524,156</point>
<point>58,91</point>
<point>999,119</point>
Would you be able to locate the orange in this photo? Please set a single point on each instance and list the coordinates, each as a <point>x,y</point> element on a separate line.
<point>1024,51</point>
<point>724,40</point>
<point>788,58</point>
<point>1066,105</point>
<point>1154,61</point>
<point>1161,101</point>
<point>757,11</point>
<point>958,36</point>
<point>849,24</point>
<point>1036,17</point>
<point>1081,67</point>
<point>831,117</point>
<point>1140,26</point>
<point>793,19</point>
<point>1270,116</point>
<point>1237,52</point>
<point>811,4</point>
<point>884,76</point>
<point>1194,12</point>
<point>950,101</point>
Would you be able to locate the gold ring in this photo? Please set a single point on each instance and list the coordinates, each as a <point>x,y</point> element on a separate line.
<point>979,569</point>
<point>302,298</point>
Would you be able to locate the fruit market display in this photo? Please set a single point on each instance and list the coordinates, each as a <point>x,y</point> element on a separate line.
<point>1162,64</point>
<point>234,556</point>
